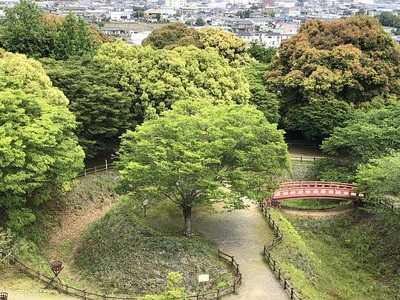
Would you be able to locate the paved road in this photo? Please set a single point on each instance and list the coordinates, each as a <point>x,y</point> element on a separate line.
<point>243,233</point>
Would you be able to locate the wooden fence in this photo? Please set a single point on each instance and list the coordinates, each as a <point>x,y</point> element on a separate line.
<point>83,294</point>
<point>272,263</point>
<point>64,288</point>
<point>227,290</point>
<point>305,159</point>
<point>96,169</point>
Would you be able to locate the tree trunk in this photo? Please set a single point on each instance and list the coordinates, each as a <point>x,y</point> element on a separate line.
<point>187,216</point>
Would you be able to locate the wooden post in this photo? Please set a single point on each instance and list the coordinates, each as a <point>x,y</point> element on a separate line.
<point>106,165</point>
<point>291,293</point>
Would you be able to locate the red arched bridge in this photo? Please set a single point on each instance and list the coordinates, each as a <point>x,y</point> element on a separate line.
<point>316,189</point>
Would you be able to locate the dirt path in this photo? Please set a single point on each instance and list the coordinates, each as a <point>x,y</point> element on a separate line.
<point>243,233</point>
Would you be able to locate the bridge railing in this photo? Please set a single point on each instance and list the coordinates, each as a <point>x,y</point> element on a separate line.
<point>316,184</point>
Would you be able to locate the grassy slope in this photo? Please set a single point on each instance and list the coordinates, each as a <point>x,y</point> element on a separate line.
<point>352,256</point>
<point>124,254</point>
<point>119,255</point>
<point>342,257</point>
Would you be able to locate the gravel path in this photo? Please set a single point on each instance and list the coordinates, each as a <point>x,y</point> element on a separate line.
<point>243,233</point>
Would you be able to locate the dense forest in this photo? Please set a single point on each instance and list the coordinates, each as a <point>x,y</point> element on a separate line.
<point>190,110</point>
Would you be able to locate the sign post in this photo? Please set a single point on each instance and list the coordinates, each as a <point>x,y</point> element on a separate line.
<point>202,279</point>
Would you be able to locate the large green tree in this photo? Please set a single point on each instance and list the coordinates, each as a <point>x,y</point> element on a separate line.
<point>187,155</point>
<point>73,38</point>
<point>39,152</point>
<point>137,83</point>
<point>259,96</point>
<point>330,68</point>
<point>26,29</point>
<point>172,35</point>
<point>178,34</point>
<point>22,30</point>
<point>380,177</point>
<point>369,134</point>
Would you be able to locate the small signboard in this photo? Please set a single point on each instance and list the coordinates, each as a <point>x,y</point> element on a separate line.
<point>204,278</point>
<point>145,202</point>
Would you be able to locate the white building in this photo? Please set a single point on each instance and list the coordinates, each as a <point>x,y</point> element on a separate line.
<point>120,15</point>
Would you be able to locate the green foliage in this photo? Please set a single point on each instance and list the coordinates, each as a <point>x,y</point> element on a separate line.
<point>380,177</point>
<point>26,29</point>
<point>318,118</point>
<point>6,238</point>
<point>263,100</point>
<point>371,133</point>
<point>330,68</point>
<point>333,169</point>
<point>186,154</point>
<point>226,44</point>
<point>262,54</point>
<point>136,82</point>
<point>171,36</point>
<point>387,18</point>
<point>39,152</point>
<point>22,30</point>
<point>178,34</point>
<point>73,39</point>
<point>200,22</point>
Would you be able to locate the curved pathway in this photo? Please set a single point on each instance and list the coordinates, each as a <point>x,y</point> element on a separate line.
<point>243,234</point>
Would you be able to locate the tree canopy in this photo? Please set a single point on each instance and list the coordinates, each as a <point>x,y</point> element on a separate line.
<point>177,34</point>
<point>262,54</point>
<point>39,152</point>
<point>138,82</point>
<point>172,35</point>
<point>370,133</point>
<point>380,177</point>
<point>27,30</point>
<point>259,96</point>
<point>330,68</point>
<point>188,153</point>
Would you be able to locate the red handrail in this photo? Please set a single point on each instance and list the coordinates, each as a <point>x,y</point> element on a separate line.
<point>315,189</point>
